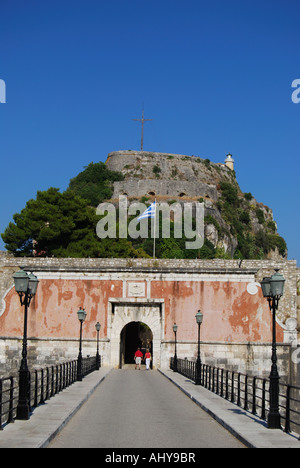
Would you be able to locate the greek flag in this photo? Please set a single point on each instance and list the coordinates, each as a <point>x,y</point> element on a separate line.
<point>149,213</point>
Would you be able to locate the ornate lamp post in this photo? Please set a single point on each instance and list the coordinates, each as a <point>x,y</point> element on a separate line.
<point>199,320</point>
<point>175,328</point>
<point>81,317</point>
<point>97,326</point>
<point>26,286</point>
<point>273,288</point>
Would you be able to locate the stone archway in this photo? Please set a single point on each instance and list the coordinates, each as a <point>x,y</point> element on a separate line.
<point>125,311</point>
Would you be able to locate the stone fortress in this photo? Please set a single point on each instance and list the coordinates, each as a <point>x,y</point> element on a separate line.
<point>127,294</point>
<point>175,177</point>
<point>168,175</point>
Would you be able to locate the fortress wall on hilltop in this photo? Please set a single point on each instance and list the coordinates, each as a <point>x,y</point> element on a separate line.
<point>165,188</point>
<point>163,174</point>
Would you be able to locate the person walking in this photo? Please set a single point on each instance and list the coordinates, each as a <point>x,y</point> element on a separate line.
<point>148,359</point>
<point>138,358</point>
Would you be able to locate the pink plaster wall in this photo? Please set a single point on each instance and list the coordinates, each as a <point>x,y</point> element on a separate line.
<point>231,314</point>
<point>53,312</point>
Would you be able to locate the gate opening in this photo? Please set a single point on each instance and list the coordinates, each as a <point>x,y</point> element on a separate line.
<point>134,335</point>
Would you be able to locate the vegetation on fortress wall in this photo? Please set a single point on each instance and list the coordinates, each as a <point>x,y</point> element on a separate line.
<point>64,225</point>
<point>236,212</point>
<point>95,183</point>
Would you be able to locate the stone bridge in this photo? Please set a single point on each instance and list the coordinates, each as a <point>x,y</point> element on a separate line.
<point>142,412</point>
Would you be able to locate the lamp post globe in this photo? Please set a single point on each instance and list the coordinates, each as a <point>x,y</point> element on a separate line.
<point>277,282</point>
<point>32,284</point>
<point>21,281</point>
<point>199,317</point>
<point>81,315</point>
<point>266,287</point>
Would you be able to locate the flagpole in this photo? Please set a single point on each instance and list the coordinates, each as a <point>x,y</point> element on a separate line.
<point>154,228</point>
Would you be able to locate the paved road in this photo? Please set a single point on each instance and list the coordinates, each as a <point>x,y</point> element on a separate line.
<point>140,409</point>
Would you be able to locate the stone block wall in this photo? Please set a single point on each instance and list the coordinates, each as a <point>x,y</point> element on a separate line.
<point>247,358</point>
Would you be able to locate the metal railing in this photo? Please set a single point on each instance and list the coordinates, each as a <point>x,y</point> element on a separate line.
<point>44,384</point>
<point>89,365</point>
<point>7,400</point>
<point>47,382</point>
<point>246,391</point>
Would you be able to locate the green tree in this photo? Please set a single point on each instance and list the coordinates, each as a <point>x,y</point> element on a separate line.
<point>230,193</point>
<point>95,183</point>
<point>248,196</point>
<point>170,248</point>
<point>55,224</point>
<point>277,241</point>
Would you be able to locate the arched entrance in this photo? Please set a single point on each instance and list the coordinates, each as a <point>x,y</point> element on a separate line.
<point>134,335</point>
<point>124,311</point>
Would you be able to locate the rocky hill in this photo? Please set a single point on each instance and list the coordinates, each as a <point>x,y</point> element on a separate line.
<point>62,224</point>
<point>236,225</point>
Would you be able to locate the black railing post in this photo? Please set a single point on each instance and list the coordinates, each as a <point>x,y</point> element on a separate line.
<point>47,384</point>
<point>226,387</point>
<point>254,395</point>
<point>42,400</point>
<point>11,401</point>
<point>232,387</point>
<point>217,389</point>
<point>246,393</point>
<point>239,390</point>
<point>222,383</point>
<point>52,381</point>
<point>60,378</point>
<point>263,403</point>
<point>287,412</point>
<point>56,379</point>
<point>36,389</point>
<point>1,396</point>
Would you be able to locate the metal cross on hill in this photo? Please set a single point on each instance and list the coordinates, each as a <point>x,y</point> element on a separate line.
<point>142,120</point>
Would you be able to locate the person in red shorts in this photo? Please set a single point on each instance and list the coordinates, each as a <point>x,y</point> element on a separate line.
<point>138,358</point>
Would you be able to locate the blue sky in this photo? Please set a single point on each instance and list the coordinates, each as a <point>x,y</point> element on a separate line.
<point>215,76</point>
